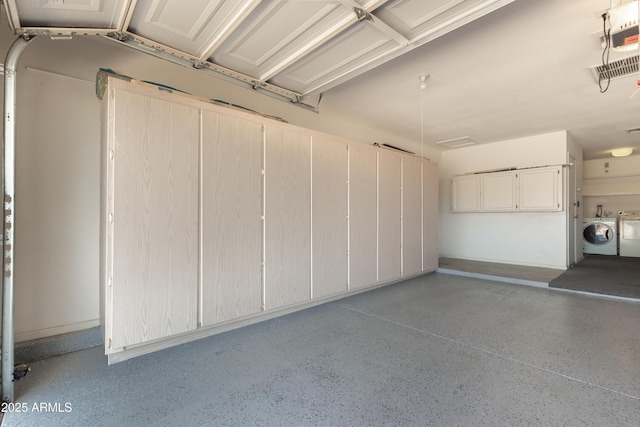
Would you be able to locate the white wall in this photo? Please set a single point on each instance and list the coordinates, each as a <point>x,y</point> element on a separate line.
<point>616,187</point>
<point>536,239</point>
<point>575,200</point>
<point>57,170</point>
<point>57,201</point>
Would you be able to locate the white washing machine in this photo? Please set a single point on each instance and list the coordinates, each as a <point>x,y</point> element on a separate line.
<point>630,234</point>
<point>600,236</point>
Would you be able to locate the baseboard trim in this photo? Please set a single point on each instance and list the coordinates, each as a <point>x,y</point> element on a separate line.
<point>56,330</point>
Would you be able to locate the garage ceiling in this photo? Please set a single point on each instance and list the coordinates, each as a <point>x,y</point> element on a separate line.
<point>292,48</point>
<point>499,69</point>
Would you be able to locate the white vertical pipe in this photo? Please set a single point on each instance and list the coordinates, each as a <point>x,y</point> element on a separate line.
<point>8,174</point>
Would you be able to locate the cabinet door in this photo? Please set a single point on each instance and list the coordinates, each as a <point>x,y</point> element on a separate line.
<point>363,219</point>
<point>231,217</point>
<point>389,224</point>
<point>430,215</point>
<point>541,189</point>
<point>499,192</point>
<point>465,193</point>
<point>411,215</point>
<point>154,219</point>
<point>287,217</point>
<point>329,165</point>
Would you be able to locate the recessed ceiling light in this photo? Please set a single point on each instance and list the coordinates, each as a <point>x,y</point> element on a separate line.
<point>621,152</point>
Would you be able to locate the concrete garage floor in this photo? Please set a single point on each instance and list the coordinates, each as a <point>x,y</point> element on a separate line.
<point>437,350</point>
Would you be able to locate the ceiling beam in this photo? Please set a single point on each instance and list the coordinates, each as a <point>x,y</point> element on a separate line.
<point>339,26</point>
<point>12,14</point>
<point>458,20</point>
<point>231,24</point>
<point>326,35</point>
<point>126,16</point>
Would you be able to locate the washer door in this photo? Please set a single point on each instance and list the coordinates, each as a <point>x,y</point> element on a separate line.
<point>598,234</point>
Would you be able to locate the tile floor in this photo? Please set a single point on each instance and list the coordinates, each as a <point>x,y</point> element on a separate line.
<point>437,350</point>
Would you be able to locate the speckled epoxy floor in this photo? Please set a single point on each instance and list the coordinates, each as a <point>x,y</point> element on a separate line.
<point>436,350</point>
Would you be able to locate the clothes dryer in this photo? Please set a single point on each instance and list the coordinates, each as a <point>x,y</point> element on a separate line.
<point>630,234</point>
<point>600,236</point>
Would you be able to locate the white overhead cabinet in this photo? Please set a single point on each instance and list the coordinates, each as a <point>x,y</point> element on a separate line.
<point>541,189</point>
<point>522,190</point>
<point>499,191</point>
<point>466,193</point>
<point>213,218</point>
